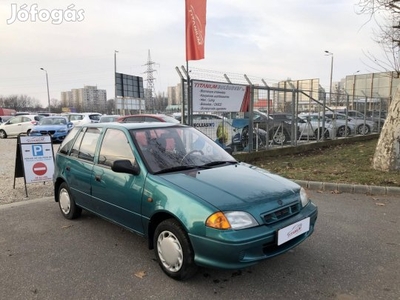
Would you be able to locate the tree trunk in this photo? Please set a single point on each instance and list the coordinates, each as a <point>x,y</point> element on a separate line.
<point>387,152</point>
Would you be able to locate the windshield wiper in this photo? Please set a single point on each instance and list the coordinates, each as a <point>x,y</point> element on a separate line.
<point>176,168</point>
<point>218,162</point>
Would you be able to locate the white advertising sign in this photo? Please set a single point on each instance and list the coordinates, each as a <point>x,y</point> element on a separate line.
<point>217,97</point>
<point>37,156</point>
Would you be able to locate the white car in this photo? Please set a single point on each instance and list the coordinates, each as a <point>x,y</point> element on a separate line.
<point>17,125</point>
<point>312,128</point>
<point>83,118</point>
<point>364,125</point>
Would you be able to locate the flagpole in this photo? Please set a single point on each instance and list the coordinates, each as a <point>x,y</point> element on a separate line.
<point>189,96</point>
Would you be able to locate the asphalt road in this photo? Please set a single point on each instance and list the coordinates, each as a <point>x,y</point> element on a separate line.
<point>353,254</point>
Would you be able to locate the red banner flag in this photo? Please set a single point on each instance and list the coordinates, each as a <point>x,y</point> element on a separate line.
<point>195,29</point>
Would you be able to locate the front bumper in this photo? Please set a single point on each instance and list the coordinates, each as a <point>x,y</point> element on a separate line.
<point>239,249</point>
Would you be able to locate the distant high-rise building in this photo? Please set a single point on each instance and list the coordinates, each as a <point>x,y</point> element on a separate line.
<point>88,98</point>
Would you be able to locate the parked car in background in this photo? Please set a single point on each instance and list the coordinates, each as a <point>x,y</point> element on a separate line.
<point>83,118</point>
<point>278,131</point>
<point>364,124</point>
<point>109,118</point>
<point>314,128</point>
<point>340,122</point>
<point>196,204</point>
<point>140,118</point>
<point>18,124</point>
<point>4,119</point>
<point>57,127</point>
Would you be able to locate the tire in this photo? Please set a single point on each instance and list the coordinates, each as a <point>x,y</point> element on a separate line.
<point>173,250</point>
<point>278,136</point>
<point>3,134</point>
<point>67,204</point>
<point>318,133</point>
<point>363,129</point>
<point>244,137</point>
<point>342,132</point>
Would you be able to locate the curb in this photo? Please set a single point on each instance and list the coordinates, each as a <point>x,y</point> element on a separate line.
<point>349,188</point>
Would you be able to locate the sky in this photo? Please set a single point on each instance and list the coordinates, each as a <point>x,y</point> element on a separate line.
<point>271,40</point>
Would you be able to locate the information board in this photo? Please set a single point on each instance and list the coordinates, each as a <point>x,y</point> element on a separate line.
<point>37,157</point>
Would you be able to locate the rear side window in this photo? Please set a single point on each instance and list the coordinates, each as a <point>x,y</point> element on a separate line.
<point>67,143</point>
<point>85,145</point>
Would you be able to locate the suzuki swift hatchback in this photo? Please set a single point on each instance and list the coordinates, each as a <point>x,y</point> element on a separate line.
<point>195,203</point>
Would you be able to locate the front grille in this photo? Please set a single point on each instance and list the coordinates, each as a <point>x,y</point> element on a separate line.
<point>46,132</point>
<point>281,213</point>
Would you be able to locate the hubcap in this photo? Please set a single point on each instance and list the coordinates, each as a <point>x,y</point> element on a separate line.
<point>279,138</point>
<point>170,251</point>
<point>65,201</point>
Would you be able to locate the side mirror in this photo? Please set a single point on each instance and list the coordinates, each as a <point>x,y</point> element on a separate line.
<point>70,124</point>
<point>125,166</point>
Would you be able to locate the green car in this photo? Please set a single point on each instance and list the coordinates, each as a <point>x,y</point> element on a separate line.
<point>191,199</point>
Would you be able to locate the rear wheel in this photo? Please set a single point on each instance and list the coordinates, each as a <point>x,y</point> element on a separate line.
<point>363,129</point>
<point>67,204</point>
<point>3,134</point>
<point>173,250</point>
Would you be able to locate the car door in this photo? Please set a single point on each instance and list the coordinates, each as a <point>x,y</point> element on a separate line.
<point>13,126</point>
<point>78,169</point>
<point>118,196</point>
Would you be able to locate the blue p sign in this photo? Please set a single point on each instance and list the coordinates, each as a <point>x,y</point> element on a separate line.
<point>37,150</point>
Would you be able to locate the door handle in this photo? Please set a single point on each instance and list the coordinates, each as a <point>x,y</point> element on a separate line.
<point>68,168</point>
<point>97,178</point>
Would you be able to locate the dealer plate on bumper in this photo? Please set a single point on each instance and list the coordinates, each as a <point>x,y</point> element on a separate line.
<point>290,232</point>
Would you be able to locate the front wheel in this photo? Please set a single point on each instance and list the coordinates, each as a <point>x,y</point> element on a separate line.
<point>67,204</point>
<point>319,132</point>
<point>3,134</point>
<point>343,131</point>
<point>279,136</point>
<point>173,250</point>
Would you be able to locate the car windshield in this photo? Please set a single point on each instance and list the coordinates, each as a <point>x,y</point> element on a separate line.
<point>52,121</point>
<point>169,149</point>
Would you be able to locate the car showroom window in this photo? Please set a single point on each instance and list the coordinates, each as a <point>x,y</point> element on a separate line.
<point>115,146</point>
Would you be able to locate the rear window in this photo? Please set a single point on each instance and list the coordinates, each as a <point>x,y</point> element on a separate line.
<point>95,118</point>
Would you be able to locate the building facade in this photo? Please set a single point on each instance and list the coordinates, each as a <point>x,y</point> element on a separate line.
<point>88,98</point>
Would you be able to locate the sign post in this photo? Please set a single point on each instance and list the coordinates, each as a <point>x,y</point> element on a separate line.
<point>34,159</point>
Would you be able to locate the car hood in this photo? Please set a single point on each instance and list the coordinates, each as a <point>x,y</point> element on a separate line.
<point>239,186</point>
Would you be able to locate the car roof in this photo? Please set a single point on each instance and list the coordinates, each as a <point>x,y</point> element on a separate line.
<point>85,113</point>
<point>129,126</point>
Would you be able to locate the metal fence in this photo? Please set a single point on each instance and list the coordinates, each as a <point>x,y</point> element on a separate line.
<point>289,116</point>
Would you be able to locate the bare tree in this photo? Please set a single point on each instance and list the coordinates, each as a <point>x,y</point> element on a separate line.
<point>387,152</point>
<point>385,13</point>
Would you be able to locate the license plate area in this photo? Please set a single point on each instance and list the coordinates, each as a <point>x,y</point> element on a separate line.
<point>290,232</point>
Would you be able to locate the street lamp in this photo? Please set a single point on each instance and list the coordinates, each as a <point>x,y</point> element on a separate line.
<point>48,93</point>
<point>115,81</point>
<point>330,81</point>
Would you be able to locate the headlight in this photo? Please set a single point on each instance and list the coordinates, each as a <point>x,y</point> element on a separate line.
<point>304,197</point>
<point>231,219</point>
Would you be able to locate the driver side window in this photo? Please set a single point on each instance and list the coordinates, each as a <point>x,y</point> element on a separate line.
<point>115,146</point>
